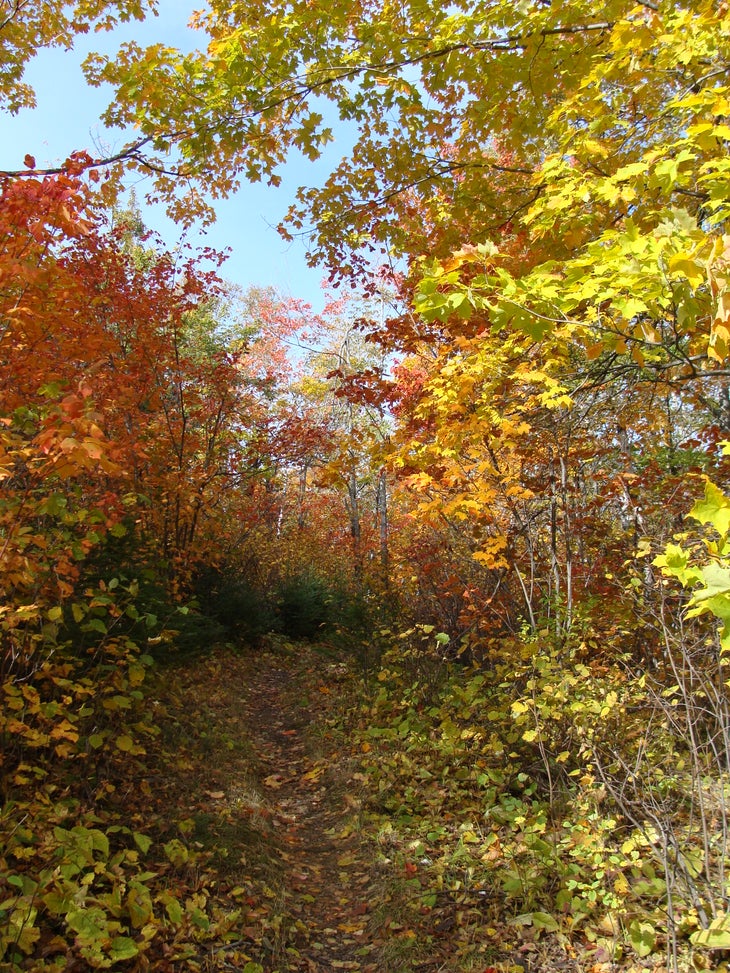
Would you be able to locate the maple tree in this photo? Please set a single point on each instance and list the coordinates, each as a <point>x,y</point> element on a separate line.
<point>29,25</point>
<point>605,153</point>
<point>120,419</point>
<point>447,107</point>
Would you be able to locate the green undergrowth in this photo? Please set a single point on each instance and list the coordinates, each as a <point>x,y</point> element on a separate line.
<point>135,831</point>
<point>534,811</point>
<point>116,850</point>
<point>497,792</point>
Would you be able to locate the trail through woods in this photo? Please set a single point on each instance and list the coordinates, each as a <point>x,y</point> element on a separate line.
<point>325,882</point>
<point>269,791</point>
<point>275,804</point>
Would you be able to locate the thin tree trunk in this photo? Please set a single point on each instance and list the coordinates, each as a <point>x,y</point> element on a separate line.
<point>381,507</point>
<point>353,508</point>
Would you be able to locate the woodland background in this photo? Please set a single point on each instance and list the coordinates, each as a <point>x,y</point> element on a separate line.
<point>491,471</point>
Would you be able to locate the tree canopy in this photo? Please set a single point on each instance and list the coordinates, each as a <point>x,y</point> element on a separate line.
<point>466,119</point>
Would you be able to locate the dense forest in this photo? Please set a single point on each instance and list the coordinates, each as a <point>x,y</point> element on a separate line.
<point>475,506</point>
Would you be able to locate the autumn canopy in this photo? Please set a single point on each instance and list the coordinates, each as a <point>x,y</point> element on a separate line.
<point>491,473</point>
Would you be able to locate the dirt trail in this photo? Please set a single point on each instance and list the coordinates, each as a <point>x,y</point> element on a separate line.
<point>300,870</point>
<point>324,892</point>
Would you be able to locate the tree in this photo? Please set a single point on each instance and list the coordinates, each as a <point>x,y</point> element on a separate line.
<point>465,110</point>
<point>28,25</point>
<point>571,185</point>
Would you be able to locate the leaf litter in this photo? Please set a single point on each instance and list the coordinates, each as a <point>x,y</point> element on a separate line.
<point>288,840</point>
<point>267,800</point>
<point>323,909</point>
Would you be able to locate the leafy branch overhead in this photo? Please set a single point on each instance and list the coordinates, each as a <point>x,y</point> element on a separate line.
<point>590,116</point>
<point>29,25</point>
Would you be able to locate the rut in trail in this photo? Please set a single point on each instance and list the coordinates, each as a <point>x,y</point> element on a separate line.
<point>321,874</point>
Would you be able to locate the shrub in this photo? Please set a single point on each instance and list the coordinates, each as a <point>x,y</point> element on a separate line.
<point>306,605</point>
<point>237,606</point>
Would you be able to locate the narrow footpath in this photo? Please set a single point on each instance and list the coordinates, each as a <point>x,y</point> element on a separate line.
<point>286,847</point>
<point>325,883</point>
<point>270,797</point>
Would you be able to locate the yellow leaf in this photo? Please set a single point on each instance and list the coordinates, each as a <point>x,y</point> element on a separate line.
<point>620,885</point>
<point>686,266</point>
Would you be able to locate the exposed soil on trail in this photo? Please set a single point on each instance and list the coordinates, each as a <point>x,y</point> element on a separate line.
<point>325,878</point>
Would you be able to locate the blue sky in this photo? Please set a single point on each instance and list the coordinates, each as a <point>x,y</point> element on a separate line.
<point>67,119</point>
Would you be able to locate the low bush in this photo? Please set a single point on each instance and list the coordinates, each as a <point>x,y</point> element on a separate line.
<point>305,605</point>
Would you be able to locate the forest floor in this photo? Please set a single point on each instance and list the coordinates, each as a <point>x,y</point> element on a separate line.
<point>264,786</point>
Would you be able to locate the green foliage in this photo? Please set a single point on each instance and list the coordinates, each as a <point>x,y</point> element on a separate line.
<point>703,564</point>
<point>90,874</point>
<point>71,722</point>
<point>517,779</point>
<point>243,610</point>
<point>305,605</point>
<point>85,880</point>
<point>450,739</point>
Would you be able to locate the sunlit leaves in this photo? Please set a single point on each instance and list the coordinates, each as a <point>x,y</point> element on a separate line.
<point>714,509</point>
<point>31,25</point>
<point>704,569</point>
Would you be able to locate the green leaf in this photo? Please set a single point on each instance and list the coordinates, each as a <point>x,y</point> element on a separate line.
<point>122,947</point>
<point>643,937</point>
<point>99,842</point>
<point>716,580</point>
<point>96,625</point>
<point>543,920</point>
<point>630,307</point>
<point>124,743</point>
<point>54,504</point>
<point>142,841</point>
<point>540,920</point>
<point>174,910</point>
<point>176,852</point>
<point>139,905</point>
<point>58,903</point>
<point>716,936</point>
